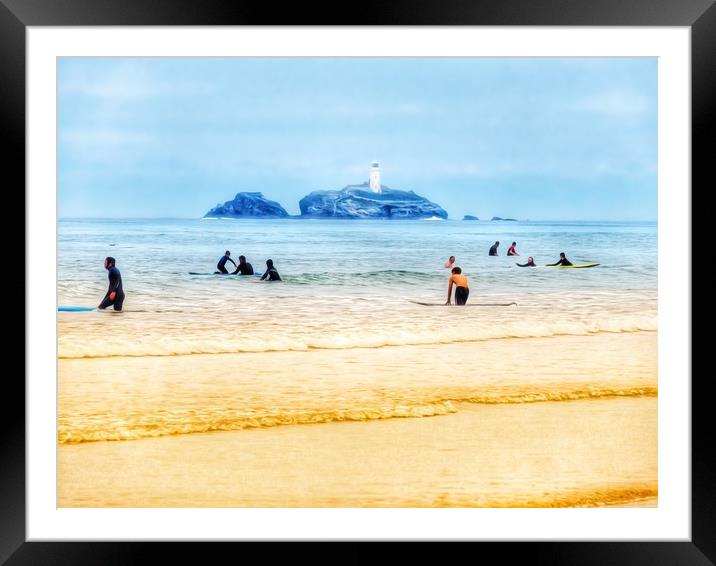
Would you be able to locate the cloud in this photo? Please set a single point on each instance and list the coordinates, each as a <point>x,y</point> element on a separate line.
<point>125,81</point>
<point>614,104</point>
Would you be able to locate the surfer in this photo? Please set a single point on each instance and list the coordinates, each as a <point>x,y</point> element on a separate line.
<point>115,293</point>
<point>462,287</point>
<point>562,261</point>
<point>222,262</point>
<point>271,272</point>
<point>449,263</point>
<point>244,267</point>
<point>512,250</point>
<point>530,263</point>
<point>493,249</point>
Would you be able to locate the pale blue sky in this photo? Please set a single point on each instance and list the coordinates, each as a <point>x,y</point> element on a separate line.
<point>540,139</point>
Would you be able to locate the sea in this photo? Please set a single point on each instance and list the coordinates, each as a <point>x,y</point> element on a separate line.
<point>346,283</point>
<point>343,337</point>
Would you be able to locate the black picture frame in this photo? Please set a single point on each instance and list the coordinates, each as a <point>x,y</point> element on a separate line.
<point>17,15</point>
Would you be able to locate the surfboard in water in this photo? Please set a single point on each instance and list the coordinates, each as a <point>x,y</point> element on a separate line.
<point>222,274</point>
<point>74,309</point>
<point>577,266</point>
<point>467,305</point>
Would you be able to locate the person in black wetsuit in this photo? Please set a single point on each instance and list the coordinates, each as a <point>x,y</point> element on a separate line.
<point>222,262</point>
<point>271,272</point>
<point>562,261</point>
<point>115,293</point>
<point>244,267</point>
<point>493,249</point>
<point>530,263</point>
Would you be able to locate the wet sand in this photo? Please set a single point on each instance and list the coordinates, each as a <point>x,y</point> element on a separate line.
<point>584,453</point>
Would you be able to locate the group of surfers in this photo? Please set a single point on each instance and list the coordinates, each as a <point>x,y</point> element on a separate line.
<point>245,268</point>
<point>461,284</point>
<point>530,261</point>
<point>115,293</point>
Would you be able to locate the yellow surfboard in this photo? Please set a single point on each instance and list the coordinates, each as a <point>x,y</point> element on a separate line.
<point>578,266</point>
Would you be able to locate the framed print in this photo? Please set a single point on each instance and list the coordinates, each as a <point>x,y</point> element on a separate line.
<point>250,231</point>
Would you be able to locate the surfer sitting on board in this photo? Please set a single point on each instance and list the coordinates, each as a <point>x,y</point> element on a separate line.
<point>271,272</point>
<point>222,262</point>
<point>450,262</point>
<point>493,249</point>
<point>512,250</point>
<point>562,261</point>
<point>462,287</point>
<point>530,263</point>
<point>244,267</point>
<point>115,293</point>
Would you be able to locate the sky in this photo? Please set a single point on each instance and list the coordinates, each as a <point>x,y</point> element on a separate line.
<point>526,138</point>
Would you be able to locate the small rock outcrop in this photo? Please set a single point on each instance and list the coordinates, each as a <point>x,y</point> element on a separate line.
<point>248,205</point>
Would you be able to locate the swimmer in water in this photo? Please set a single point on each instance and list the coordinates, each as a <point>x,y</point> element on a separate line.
<point>512,250</point>
<point>115,293</point>
<point>530,263</point>
<point>449,263</point>
<point>462,287</point>
<point>244,267</point>
<point>562,261</point>
<point>493,249</point>
<point>271,272</point>
<point>222,262</point>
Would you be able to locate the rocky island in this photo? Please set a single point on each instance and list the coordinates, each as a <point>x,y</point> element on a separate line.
<point>470,217</point>
<point>504,219</point>
<point>362,201</point>
<point>248,205</point>
<point>367,200</point>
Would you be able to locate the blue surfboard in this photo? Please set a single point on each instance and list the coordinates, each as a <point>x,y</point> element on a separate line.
<point>74,309</point>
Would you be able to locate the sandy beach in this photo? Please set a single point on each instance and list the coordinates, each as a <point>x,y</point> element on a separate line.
<point>582,454</point>
<point>407,441</point>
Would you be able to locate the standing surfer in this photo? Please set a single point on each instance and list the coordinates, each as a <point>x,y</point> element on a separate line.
<point>462,287</point>
<point>222,262</point>
<point>115,293</point>
<point>271,273</point>
<point>244,267</point>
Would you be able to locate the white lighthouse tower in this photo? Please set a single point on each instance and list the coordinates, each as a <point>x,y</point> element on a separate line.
<point>375,177</point>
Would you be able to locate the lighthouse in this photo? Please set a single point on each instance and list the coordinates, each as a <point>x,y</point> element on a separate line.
<point>375,177</point>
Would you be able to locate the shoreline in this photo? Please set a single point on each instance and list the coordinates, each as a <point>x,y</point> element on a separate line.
<point>123,399</point>
<point>310,349</point>
<point>587,453</point>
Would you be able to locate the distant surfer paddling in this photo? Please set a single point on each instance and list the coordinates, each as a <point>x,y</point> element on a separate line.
<point>244,267</point>
<point>115,293</point>
<point>222,263</point>
<point>530,263</point>
<point>271,273</point>
<point>562,261</point>
<point>462,287</point>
